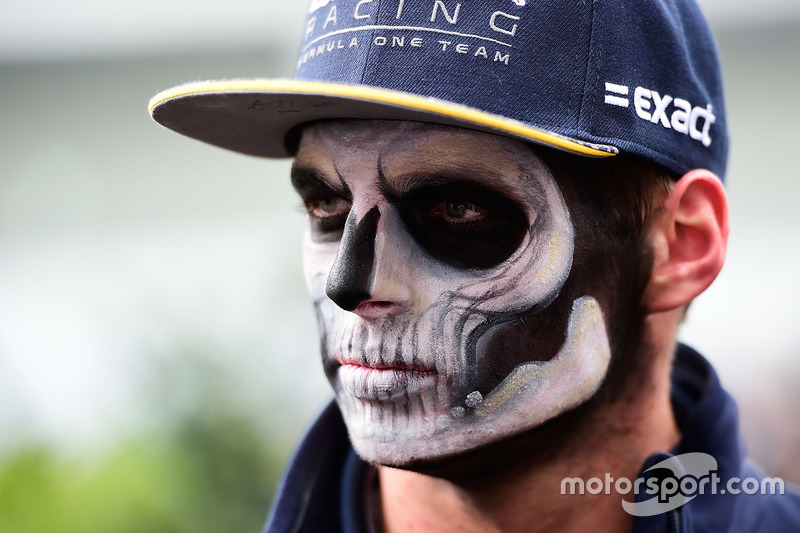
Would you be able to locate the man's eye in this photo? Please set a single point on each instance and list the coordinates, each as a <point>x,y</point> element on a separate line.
<point>327,215</point>
<point>463,224</point>
<point>458,211</point>
<point>328,207</point>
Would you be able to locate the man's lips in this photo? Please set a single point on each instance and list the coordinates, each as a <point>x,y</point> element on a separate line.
<point>391,366</point>
<point>383,381</point>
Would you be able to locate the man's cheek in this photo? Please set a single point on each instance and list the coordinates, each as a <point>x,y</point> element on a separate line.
<point>318,260</point>
<point>531,336</point>
<point>536,391</point>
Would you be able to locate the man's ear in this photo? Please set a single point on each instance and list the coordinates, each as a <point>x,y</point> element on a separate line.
<point>689,238</point>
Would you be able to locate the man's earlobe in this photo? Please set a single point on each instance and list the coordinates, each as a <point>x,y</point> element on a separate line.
<point>689,239</point>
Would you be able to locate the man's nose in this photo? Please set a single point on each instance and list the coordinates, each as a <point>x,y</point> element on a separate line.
<point>350,278</point>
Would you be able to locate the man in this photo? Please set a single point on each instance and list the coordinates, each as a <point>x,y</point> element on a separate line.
<point>511,205</point>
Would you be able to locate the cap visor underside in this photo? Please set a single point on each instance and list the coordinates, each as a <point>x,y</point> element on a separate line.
<point>259,117</point>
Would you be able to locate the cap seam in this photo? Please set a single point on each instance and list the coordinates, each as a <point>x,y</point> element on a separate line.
<point>369,50</point>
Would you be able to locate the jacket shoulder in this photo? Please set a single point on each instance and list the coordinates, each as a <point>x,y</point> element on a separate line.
<point>774,507</point>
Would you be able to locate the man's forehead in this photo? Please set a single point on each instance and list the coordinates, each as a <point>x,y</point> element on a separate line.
<point>403,151</point>
<point>394,135</point>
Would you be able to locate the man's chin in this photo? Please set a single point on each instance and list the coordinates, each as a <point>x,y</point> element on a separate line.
<point>401,435</point>
<point>426,455</point>
<point>455,446</point>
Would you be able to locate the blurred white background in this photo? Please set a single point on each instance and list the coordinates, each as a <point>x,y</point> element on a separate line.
<point>123,244</point>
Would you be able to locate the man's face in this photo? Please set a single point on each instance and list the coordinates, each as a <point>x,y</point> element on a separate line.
<point>436,259</point>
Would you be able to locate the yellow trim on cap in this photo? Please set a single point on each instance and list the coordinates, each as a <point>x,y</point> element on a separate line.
<point>383,96</point>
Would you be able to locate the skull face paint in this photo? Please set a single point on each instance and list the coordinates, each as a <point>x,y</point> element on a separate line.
<point>425,243</point>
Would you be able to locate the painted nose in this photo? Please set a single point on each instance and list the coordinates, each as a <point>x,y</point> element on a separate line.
<point>350,277</point>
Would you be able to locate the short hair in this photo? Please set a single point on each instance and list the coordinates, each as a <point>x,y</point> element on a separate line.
<point>623,192</point>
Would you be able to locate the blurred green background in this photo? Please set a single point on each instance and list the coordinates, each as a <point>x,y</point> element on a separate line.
<point>157,350</point>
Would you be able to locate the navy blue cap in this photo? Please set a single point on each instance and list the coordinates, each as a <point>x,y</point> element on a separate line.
<point>592,77</point>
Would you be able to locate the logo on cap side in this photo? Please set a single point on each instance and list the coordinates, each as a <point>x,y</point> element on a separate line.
<point>672,113</point>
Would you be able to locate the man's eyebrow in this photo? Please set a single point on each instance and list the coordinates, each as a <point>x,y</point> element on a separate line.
<point>407,183</point>
<point>386,188</point>
<point>308,180</point>
<point>404,184</point>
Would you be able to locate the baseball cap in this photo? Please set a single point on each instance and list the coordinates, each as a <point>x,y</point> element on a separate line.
<point>591,77</point>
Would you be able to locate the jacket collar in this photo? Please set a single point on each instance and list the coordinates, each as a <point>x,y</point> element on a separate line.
<point>708,420</point>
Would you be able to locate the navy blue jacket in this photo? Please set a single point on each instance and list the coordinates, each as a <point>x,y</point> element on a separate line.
<point>326,485</point>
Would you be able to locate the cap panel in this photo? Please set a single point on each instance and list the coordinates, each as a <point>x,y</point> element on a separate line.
<point>654,87</point>
<point>522,62</point>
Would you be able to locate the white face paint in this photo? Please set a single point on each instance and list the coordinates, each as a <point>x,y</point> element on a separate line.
<point>425,243</point>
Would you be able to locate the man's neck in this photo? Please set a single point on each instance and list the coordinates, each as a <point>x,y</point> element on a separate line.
<point>525,494</point>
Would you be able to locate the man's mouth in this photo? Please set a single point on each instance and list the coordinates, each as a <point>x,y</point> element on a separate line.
<point>383,381</point>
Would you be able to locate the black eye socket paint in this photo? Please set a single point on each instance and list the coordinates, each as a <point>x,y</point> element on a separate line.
<point>463,224</point>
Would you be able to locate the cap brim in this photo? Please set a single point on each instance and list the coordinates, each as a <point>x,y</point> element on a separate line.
<point>261,117</point>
